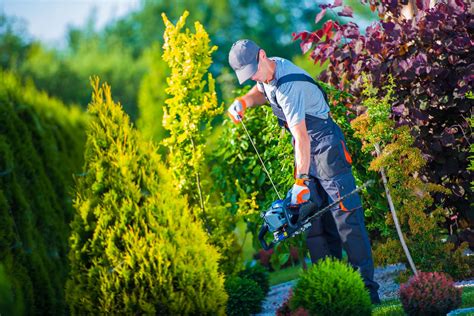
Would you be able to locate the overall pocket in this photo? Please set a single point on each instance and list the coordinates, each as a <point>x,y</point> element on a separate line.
<point>329,158</point>
<point>345,184</point>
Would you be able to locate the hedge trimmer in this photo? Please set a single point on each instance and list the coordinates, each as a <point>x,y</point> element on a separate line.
<point>283,219</point>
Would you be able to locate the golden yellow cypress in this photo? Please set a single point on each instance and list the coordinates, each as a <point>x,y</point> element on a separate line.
<point>134,247</point>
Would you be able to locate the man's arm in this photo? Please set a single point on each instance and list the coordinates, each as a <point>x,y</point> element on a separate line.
<point>254,97</point>
<point>302,147</point>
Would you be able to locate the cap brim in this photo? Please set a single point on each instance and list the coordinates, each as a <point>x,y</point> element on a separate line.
<point>246,72</point>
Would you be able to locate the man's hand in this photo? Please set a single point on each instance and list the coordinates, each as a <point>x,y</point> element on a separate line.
<point>236,110</point>
<point>300,192</point>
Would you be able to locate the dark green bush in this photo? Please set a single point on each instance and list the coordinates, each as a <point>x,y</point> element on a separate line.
<point>11,302</point>
<point>245,296</point>
<point>430,293</point>
<point>41,144</point>
<point>331,287</point>
<point>258,274</point>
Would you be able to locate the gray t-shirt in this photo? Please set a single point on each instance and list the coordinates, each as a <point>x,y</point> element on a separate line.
<point>296,98</point>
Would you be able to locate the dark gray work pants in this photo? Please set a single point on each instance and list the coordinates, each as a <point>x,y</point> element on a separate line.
<point>343,227</point>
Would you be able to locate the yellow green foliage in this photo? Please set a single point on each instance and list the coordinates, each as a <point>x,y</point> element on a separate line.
<point>135,248</point>
<point>412,196</point>
<point>41,142</point>
<point>190,108</point>
<point>192,101</point>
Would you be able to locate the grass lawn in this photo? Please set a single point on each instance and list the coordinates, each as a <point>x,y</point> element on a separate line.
<point>285,275</point>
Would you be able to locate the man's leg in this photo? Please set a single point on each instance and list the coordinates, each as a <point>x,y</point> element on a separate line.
<point>322,239</point>
<point>349,219</point>
<point>322,243</point>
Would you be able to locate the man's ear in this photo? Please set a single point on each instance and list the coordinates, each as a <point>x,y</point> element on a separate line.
<point>262,54</point>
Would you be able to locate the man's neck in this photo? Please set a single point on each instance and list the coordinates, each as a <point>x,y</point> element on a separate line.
<point>272,66</point>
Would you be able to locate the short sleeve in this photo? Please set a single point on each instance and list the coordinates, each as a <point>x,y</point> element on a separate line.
<point>291,99</point>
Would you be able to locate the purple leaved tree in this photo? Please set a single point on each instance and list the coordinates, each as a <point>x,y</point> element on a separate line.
<point>429,52</point>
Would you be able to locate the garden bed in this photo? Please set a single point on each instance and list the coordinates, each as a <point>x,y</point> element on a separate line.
<point>388,291</point>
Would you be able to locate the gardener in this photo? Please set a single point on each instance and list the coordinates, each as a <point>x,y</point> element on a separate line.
<point>323,165</point>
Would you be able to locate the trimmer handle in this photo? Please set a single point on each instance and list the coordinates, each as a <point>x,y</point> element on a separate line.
<point>261,237</point>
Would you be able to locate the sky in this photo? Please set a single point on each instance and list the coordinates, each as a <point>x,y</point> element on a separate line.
<point>48,20</point>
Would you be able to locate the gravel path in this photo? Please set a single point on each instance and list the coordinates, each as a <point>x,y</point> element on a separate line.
<point>383,275</point>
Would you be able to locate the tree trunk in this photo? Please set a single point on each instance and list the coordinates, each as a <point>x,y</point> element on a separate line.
<point>394,216</point>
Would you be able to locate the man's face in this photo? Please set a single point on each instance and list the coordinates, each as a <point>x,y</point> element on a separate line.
<point>264,73</point>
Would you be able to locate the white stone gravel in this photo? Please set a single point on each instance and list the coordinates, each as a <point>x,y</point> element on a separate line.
<point>383,275</point>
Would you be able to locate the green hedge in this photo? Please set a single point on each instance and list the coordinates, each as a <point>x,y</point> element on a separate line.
<point>41,143</point>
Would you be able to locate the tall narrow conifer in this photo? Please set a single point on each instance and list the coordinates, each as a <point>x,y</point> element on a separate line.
<point>41,141</point>
<point>134,247</point>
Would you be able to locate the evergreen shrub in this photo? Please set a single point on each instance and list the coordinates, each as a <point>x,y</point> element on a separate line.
<point>430,293</point>
<point>331,287</point>
<point>135,248</point>
<point>41,145</point>
<point>245,296</point>
<point>258,274</point>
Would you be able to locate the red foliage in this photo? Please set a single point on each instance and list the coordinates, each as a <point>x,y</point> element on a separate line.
<point>264,257</point>
<point>432,62</point>
<point>430,293</point>
<point>284,309</point>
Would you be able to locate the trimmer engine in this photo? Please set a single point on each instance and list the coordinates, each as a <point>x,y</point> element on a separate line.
<point>283,221</point>
<point>286,221</point>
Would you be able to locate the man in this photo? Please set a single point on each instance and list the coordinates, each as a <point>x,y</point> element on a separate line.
<point>323,165</point>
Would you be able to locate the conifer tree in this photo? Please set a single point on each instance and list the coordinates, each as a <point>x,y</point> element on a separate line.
<point>134,247</point>
<point>41,141</point>
<point>189,110</point>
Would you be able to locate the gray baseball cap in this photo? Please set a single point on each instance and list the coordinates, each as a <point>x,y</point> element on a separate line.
<point>243,59</point>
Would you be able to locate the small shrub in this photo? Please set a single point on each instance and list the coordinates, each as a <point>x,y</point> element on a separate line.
<point>430,293</point>
<point>284,310</point>
<point>245,296</point>
<point>331,287</point>
<point>258,274</point>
